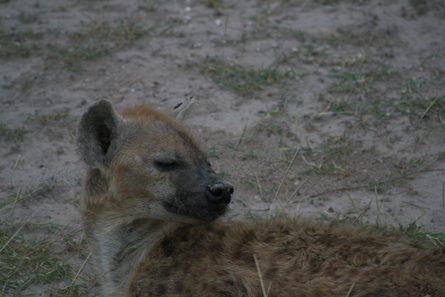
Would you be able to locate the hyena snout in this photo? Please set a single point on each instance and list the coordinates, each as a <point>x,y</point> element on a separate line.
<point>219,192</point>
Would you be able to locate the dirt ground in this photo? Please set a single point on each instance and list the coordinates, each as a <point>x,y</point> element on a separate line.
<point>322,108</point>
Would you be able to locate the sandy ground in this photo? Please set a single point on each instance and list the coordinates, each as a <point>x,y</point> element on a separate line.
<point>319,108</point>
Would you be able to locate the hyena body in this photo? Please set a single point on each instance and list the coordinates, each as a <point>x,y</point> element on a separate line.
<point>150,208</point>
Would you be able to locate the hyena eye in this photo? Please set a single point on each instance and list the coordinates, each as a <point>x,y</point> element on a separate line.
<point>166,164</point>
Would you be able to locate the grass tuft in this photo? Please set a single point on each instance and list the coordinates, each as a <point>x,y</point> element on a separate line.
<point>27,258</point>
<point>8,134</point>
<point>99,38</point>
<point>51,117</point>
<point>411,230</point>
<point>18,44</point>
<point>240,79</point>
<point>357,83</point>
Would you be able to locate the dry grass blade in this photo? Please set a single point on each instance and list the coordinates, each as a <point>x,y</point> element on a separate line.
<point>78,273</point>
<point>16,198</point>
<point>263,288</point>
<point>225,24</point>
<point>417,125</point>
<point>260,187</point>
<point>285,174</point>
<point>362,212</point>
<point>350,290</point>
<point>304,5</point>
<point>443,196</point>
<point>297,189</point>
<point>18,230</point>
<point>54,237</point>
<point>19,199</point>
<point>24,285</point>
<point>239,141</point>
<point>17,161</point>
<point>353,202</point>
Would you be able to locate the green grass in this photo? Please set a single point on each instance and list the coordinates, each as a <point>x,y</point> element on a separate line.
<point>18,43</point>
<point>37,254</point>
<point>416,104</point>
<point>122,31</point>
<point>356,91</point>
<point>300,35</point>
<point>411,230</point>
<point>327,2</point>
<point>9,134</point>
<point>28,257</point>
<point>213,153</point>
<point>276,121</point>
<point>358,82</point>
<point>51,117</point>
<point>98,38</point>
<point>224,174</point>
<point>334,2</point>
<point>241,79</point>
<point>415,231</point>
<point>26,86</point>
<point>217,5</point>
<point>336,106</point>
<point>338,145</point>
<point>95,39</point>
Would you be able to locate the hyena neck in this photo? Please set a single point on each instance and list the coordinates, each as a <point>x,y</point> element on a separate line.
<point>106,219</point>
<point>127,242</point>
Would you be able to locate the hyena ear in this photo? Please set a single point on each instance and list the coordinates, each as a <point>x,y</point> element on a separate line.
<point>97,133</point>
<point>180,110</point>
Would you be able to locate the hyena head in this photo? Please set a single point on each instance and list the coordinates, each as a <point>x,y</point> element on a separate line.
<point>143,164</point>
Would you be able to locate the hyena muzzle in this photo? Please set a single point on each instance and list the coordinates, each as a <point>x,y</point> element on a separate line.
<point>150,207</point>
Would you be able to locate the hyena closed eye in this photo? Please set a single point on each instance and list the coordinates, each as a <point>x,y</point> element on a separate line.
<point>150,207</point>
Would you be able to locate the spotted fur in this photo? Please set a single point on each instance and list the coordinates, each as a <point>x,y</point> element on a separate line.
<point>150,211</point>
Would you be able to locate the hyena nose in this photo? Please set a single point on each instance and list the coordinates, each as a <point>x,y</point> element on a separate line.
<point>219,192</point>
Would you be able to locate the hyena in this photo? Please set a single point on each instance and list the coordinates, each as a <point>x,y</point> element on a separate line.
<point>150,209</point>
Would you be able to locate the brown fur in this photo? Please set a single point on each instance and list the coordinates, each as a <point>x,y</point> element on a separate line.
<point>149,209</point>
<point>296,258</point>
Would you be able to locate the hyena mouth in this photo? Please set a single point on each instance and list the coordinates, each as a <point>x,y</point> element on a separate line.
<point>208,213</point>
